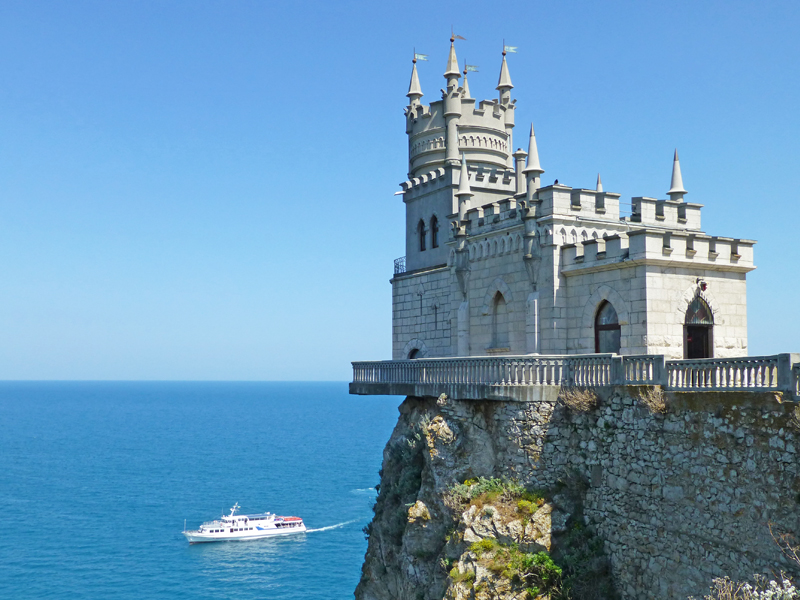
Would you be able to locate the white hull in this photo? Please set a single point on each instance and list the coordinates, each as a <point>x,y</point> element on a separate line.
<point>195,537</point>
<point>240,528</point>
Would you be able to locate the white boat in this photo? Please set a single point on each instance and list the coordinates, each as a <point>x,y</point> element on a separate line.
<point>244,527</point>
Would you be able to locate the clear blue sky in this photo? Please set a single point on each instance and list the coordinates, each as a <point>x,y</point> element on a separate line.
<point>203,190</point>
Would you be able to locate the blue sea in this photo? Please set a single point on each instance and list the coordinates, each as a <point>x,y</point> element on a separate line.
<point>96,479</point>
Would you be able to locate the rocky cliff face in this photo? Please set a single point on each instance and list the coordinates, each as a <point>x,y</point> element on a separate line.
<point>627,500</point>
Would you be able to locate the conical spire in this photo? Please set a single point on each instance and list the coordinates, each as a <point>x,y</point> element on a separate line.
<point>676,190</point>
<point>452,62</point>
<point>599,187</point>
<point>466,83</point>
<point>463,183</point>
<point>414,89</point>
<point>504,83</point>
<point>533,156</point>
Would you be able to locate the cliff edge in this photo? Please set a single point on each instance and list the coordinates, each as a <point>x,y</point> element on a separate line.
<point>625,492</point>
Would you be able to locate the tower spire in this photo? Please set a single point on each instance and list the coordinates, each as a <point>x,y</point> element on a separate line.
<point>464,192</point>
<point>534,170</point>
<point>466,83</point>
<point>414,89</point>
<point>452,73</point>
<point>599,187</point>
<point>676,190</point>
<point>504,84</point>
<point>463,182</point>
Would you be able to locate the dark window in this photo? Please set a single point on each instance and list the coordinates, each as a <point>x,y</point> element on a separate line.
<point>413,354</point>
<point>421,234</point>
<point>606,330</point>
<point>698,330</point>
<point>434,232</point>
<point>499,322</point>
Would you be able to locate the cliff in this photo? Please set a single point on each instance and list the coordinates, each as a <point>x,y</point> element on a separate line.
<point>624,492</point>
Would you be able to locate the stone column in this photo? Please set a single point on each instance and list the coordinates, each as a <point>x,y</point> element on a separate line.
<point>463,329</point>
<point>532,323</point>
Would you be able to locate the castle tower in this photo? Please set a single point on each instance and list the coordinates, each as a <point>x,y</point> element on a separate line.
<point>504,86</point>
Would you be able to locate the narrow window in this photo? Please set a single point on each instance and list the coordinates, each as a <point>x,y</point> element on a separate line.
<point>698,330</point>
<point>434,232</point>
<point>499,322</point>
<point>606,330</point>
<point>421,234</point>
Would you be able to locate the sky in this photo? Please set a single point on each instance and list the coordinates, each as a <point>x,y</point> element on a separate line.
<point>203,190</point>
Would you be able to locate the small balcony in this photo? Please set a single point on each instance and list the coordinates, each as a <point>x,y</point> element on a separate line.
<point>536,378</point>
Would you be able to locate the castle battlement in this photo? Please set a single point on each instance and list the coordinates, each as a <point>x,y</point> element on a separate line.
<point>669,213</point>
<point>497,263</point>
<point>658,247</point>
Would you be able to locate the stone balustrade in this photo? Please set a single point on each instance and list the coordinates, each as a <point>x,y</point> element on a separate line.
<point>528,377</point>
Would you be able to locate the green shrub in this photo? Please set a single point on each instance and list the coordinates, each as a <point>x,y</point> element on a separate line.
<point>484,545</point>
<point>487,490</point>
<point>459,577</point>
<point>526,507</point>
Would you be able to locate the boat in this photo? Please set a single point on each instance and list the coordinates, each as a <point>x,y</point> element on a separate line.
<point>235,527</point>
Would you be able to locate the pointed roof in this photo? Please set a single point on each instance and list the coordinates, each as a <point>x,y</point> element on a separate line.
<point>533,165</point>
<point>452,62</point>
<point>599,187</point>
<point>676,188</point>
<point>414,89</point>
<point>504,83</point>
<point>463,182</point>
<point>466,86</point>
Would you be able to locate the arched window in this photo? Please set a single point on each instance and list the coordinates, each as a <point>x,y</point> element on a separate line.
<point>421,234</point>
<point>434,232</point>
<point>499,322</point>
<point>413,354</point>
<point>606,329</point>
<point>698,330</point>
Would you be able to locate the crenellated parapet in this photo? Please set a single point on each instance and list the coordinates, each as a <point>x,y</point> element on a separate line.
<point>658,248</point>
<point>668,213</point>
<point>481,133</point>
<point>562,200</point>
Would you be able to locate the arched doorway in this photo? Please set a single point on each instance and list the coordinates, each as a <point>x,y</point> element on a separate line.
<point>607,332</point>
<point>698,330</point>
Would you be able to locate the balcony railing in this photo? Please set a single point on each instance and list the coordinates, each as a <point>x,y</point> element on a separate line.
<point>399,265</point>
<point>780,373</point>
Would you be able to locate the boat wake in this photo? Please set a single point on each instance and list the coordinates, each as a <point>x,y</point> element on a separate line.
<point>329,527</point>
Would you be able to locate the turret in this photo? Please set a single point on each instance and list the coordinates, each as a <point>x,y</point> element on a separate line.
<point>504,86</point>
<point>676,190</point>
<point>452,106</point>
<point>414,89</point>
<point>452,73</point>
<point>465,92</point>
<point>519,170</point>
<point>464,192</point>
<point>533,171</point>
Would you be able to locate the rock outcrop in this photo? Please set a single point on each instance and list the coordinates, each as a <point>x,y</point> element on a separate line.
<point>629,499</point>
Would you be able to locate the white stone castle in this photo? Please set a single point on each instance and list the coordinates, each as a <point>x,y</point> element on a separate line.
<point>498,264</point>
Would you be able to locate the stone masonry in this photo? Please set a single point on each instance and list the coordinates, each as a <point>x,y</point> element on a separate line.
<point>504,265</point>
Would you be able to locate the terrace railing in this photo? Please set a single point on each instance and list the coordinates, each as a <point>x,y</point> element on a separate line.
<point>779,373</point>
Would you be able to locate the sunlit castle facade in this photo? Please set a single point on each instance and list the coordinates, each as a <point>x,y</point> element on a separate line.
<point>499,264</point>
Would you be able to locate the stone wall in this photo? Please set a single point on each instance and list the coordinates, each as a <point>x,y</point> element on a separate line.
<point>421,314</point>
<point>678,498</point>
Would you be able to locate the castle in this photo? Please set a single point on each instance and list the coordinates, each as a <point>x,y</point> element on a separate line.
<point>541,338</point>
<point>499,264</point>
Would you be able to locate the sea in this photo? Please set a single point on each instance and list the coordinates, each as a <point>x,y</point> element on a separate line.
<point>98,478</point>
